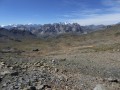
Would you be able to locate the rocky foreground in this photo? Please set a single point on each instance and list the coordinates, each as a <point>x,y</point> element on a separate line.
<point>46,74</point>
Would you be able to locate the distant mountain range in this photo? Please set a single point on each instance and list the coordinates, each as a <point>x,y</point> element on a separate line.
<point>54,29</point>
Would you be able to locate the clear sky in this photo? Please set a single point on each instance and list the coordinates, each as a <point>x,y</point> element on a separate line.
<point>84,12</point>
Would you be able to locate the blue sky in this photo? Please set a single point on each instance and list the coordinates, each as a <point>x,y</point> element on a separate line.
<point>84,12</point>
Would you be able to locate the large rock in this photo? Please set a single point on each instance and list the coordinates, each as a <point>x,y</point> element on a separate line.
<point>99,87</point>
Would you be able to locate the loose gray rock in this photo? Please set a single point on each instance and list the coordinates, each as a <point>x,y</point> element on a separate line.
<point>14,74</point>
<point>40,87</point>
<point>2,64</point>
<point>33,88</point>
<point>5,72</point>
<point>0,79</point>
<point>36,50</point>
<point>113,80</point>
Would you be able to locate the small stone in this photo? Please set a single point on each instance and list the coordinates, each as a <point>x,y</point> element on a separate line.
<point>11,68</point>
<point>36,50</point>
<point>35,63</point>
<point>14,74</point>
<point>56,70</point>
<point>118,50</point>
<point>16,87</point>
<point>63,59</point>
<point>99,87</point>
<point>113,50</point>
<point>33,88</point>
<point>5,72</point>
<point>2,63</point>
<point>48,89</point>
<point>0,79</point>
<point>47,86</point>
<point>53,61</point>
<point>113,80</point>
<point>25,89</point>
<point>43,87</point>
<point>4,85</point>
<point>40,87</point>
<point>19,84</point>
<point>11,87</point>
